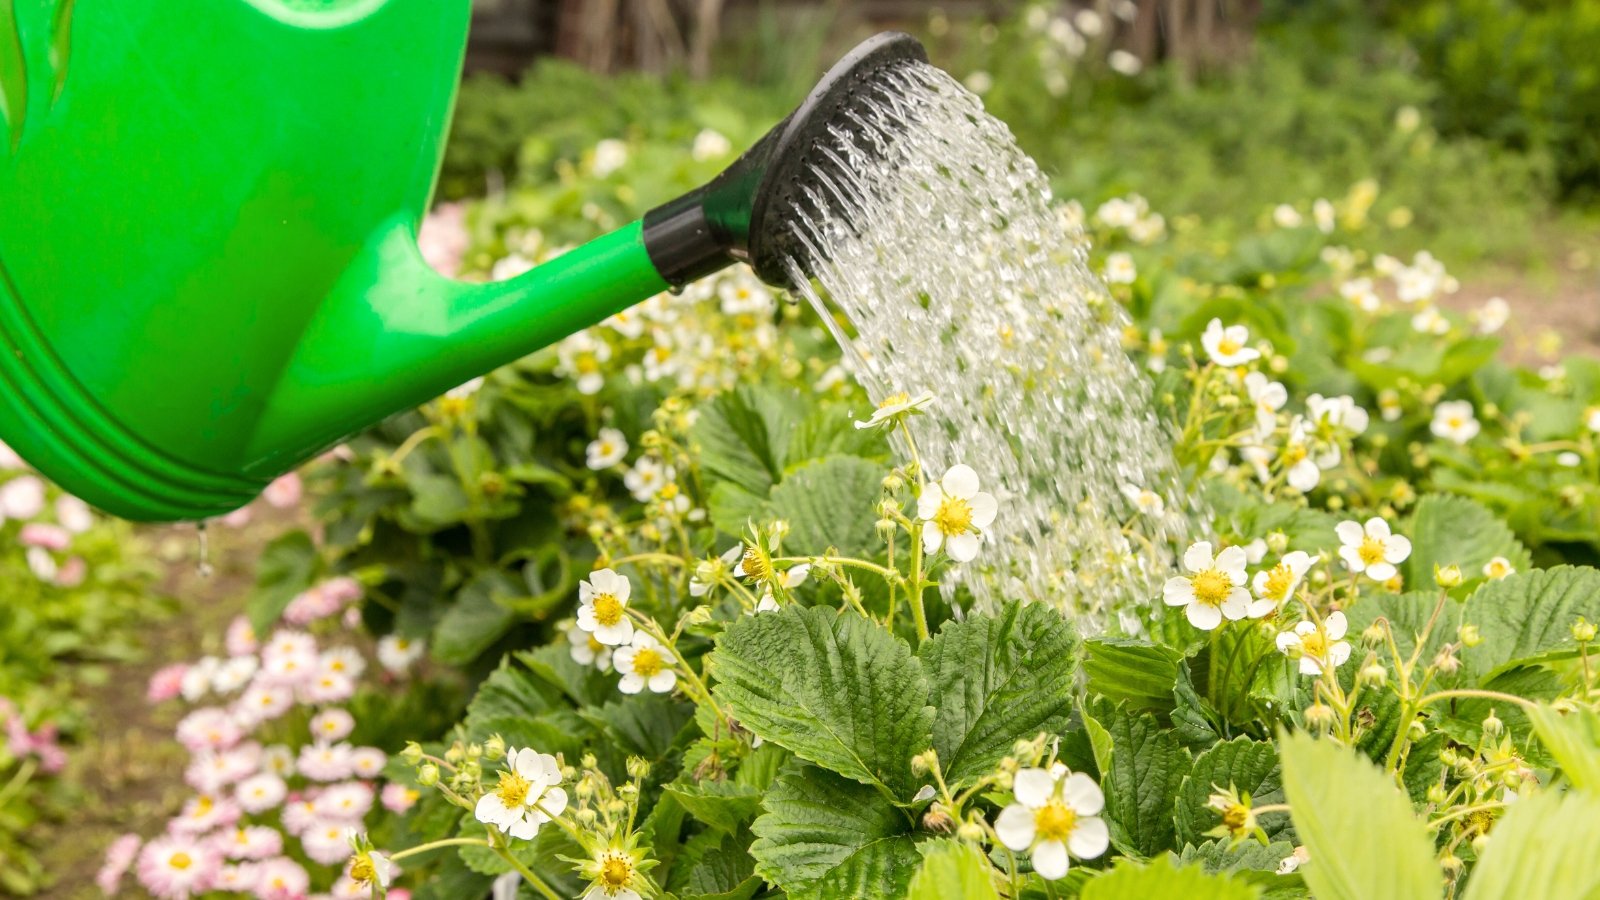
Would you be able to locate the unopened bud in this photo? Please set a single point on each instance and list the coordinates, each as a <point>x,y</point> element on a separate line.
<point>1582,631</point>
<point>1277,542</point>
<point>1479,844</point>
<point>428,775</point>
<point>1437,794</point>
<point>454,754</point>
<point>412,754</point>
<point>638,767</point>
<point>1445,661</point>
<point>1492,726</point>
<point>586,816</point>
<point>1374,674</point>
<point>494,748</point>
<point>925,762</point>
<point>970,832</point>
<point>698,616</point>
<point>1451,863</point>
<point>1469,635</point>
<point>474,751</point>
<point>1320,716</point>
<point>779,529</point>
<point>1447,577</point>
<point>938,821</point>
<point>893,483</point>
<point>1373,635</point>
<point>1416,730</point>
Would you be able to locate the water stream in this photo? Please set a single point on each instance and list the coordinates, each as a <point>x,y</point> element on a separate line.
<point>941,265</point>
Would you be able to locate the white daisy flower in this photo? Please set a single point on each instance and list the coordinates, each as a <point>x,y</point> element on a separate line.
<point>1213,589</point>
<point>602,607</point>
<point>1144,500</point>
<point>1276,585</point>
<point>586,651</point>
<point>1498,568</point>
<point>1056,813</point>
<point>607,449</point>
<point>644,661</point>
<point>955,512</point>
<point>893,406</point>
<point>1372,548</point>
<point>1454,421</point>
<point>527,796</point>
<point>1120,269</point>
<point>1318,646</point>
<point>1228,346</point>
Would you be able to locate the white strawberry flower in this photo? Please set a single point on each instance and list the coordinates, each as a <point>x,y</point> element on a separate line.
<point>1498,568</point>
<point>528,795</point>
<point>1120,269</point>
<point>1319,646</point>
<point>1591,418</point>
<point>645,662</point>
<point>1056,815</point>
<point>1455,421</point>
<point>889,411</point>
<point>1267,396</point>
<point>607,449</point>
<point>1372,548</point>
<point>1144,500</point>
<point>1228,346</point>
<point>602,607</point>
<point>1214,589</point>
<point>1276,585</point>
<point>1337,413</point>
<point>586,650</point>
<point>955,512</point>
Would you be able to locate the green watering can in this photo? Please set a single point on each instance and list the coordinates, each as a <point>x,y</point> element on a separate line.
<point>208,216</point>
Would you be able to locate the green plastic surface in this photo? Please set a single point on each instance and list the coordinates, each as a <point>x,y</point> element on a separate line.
<point>208,260</point>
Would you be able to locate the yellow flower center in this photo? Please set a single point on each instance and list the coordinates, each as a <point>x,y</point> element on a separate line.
<point>180,861</point>
<point>1455,422</point>
<point>607,609</point>
<point>586,364</point>
<point>616,871</point>
<point>595,645</point>
<point>1228,346</point>
<point>668,492</point>
<point>1236,818</point>
<point>895,400</point>
<point>754,565</point>
<point>513,789</point>
<point>954,516</point>
<point>362,871</point>
<point>1315,644</point>
<point>646,663</point>
<point>1212,586</point>
<point>1371,550</point>
<point>1498,569</point>
<point>607,448</point>
<point>1054,821</point>
<point>1278,581</point>
<point>1293,453</point>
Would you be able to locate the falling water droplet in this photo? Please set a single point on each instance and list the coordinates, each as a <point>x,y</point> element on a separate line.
<point>203,567</point>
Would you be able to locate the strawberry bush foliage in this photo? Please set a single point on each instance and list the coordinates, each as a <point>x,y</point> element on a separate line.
<point>696,584</point>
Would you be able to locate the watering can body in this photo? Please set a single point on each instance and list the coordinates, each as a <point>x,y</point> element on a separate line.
<point>208,260</point>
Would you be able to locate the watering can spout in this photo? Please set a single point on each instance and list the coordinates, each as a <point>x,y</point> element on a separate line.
<point>205,281</point>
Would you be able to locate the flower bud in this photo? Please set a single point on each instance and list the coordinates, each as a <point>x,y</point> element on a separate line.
<point>1437,794</point>
<point>779,529</point>
<point>925,762</point>
<point>1492,726</point>
<point>1416,730</point>
<point>1445,661</point>
<point>1373,674</point>
<point>428,775</point>
<point>1320,716</point>
<point>1479,844</point>
<point>586,816</point>
<point>494,748</point>
<point>1450,863</point>
<point>971,832</point>
<point>1469,635</point>
<point>893,483</point>
<point>455,754</point>
<point>1277,542</point>
<point>938,821</point>
<point>474,751</point>
<point>412,754</point>
<point>638,767</point>
<point>1447,577</point>
<point>1582,631</point>
<point>1373,635</point>
<point>699,615</point>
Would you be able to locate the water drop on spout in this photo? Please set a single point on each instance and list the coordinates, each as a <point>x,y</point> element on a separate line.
<point>203,567</point>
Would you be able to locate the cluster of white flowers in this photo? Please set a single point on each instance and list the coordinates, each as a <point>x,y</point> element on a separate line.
<point>1132,214</point>
<point>252,798</point>
<point>606,638</point>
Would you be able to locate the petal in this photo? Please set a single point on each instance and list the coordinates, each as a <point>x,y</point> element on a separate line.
<point>1381,571</point>
<point>586,617</point>
<point>630,684</point>
<point>1298,561</point>
<point>962,547</point>
<point>1377,527</point>
<point>984,508</point>
<point>928,504</point>
<point>1310,666</point>
<point>586,592</point>
<point>1335,625</point>
<point>1232,561</point>
<point>1287,640</point>
<point>1178,591</point>
<point>1083,795</point>
<point>549,769</point>
<point>615,635</point>
<point>1032,787</point>
<point>1090,838</point>
<point>932,538</point>
<point>1198,557</point>
<point>1304,476</point>
<point>1050,860</point>
<point>960,482</point>
<point>663,681</point>
<point>1261,608</point>
<point>1014,826</point>
<point>489,809</point>
<point>1396,548</point>
<point>1338,653</point>
<point>554,801</point>
<point>1350,533</point>
<point>1237,604</point>
<point>1203,616</point>
<point>525,829</point>
<point>623,658</point>
<point>1352,557</point>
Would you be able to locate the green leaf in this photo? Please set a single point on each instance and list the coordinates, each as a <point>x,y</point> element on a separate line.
<point>510,692</point>
<point>825,837</point>
<point>437,501</point>
<point>1543,849</point>
<point>1249,766</point>
<point>286,568</point>
<point>715,865</point>
<point>1448,529</point>
<point>829,503</point>
<point>952,869</point>
<point>1527,618</point>
<point>1129,880</point>
<point>835,689</point>
<point>828,431</point>
<point>1221,855</point>
<point>1146,766</point>
<point>995,680</point>
<point>1357,826</point>
<point>1136,672</point>
<point>475,621</point>
<point>742,435</point>
<point>1573,739</point>
<point>723,805</point>
<point>645,724</point>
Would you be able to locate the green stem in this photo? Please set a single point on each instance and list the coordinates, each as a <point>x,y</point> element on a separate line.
<point>527,874</point>
<point>919,613</point>
<point>438,845</point>
<point>24,772</point>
